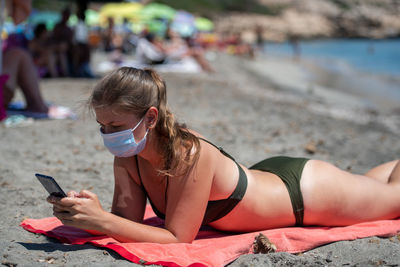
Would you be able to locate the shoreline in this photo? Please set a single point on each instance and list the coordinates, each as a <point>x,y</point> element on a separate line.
<point>340,95</point>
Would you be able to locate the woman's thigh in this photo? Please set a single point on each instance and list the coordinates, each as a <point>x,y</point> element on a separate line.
<point>336,197</point>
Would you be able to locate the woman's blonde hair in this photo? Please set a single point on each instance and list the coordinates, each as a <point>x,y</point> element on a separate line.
<point>135,91</point>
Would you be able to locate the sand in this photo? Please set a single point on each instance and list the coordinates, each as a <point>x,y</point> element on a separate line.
<point>248,109</point>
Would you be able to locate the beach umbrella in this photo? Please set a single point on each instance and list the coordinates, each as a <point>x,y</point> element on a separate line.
<point>184,23</point>
<point>203,24</point>
<point>119,11</point>
<point>156,10</point>
<point>184,17</point>
<point>92,17</point>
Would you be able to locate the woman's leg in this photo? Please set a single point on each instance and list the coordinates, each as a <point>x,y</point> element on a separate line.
<point>384,171</point>
<point>395,175</point>
<point>335,197</point>
<point>18,64</point>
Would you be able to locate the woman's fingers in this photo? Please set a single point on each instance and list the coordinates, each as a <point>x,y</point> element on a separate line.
<point>59,208</point>
<point>81,210</point>
<point>87,194</point>
<point>66,204</point>
<point>72,194</point>
<point>64,217</point>
<point>56,209</point>
<point>52,199</point>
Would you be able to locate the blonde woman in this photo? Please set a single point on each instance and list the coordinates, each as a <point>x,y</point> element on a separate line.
<point>191,182</point>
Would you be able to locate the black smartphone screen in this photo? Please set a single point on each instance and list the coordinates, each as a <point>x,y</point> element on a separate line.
<point>51,185</point>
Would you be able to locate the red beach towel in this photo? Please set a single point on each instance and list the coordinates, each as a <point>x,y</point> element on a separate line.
<point>211,248</point>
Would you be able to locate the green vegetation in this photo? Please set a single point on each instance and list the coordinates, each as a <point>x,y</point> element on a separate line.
<point>54,5</point>
<point>206,8</point>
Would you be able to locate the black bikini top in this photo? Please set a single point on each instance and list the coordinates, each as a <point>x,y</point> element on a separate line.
<point>216,209</point>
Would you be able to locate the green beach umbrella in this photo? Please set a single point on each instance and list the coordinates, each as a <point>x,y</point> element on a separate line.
<point>156,26</point>
<point>72,21</point>
<point>203,24</point>
<point>92,17</point>
<point>156,10</point>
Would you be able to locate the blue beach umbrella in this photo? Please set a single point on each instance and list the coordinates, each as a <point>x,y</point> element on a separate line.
<point>184,23</point>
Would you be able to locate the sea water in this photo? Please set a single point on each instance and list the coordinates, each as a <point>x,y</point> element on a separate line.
<point>369,67</point>
<point>374,56</point>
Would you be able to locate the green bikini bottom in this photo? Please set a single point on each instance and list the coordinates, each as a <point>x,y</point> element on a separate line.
<point>289,170</point>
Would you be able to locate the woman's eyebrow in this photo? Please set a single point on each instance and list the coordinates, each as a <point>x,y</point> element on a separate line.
<point>104,123</point>
<point>109,123</point>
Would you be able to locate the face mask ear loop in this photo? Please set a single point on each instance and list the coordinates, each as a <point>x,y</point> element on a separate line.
<point>137,125</point>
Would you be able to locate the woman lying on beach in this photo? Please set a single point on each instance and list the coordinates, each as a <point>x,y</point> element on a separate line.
<point>190,182</point>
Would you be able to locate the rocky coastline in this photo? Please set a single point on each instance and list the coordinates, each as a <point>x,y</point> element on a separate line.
<point>310,19</point>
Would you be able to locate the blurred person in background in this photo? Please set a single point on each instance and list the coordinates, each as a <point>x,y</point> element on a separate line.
<point>18,70</point>
<point>178,48</point>
<point>42,52</point>
<point>81,48</point>
<point>62,39</point>
<point>150,50</point>
<point>129,39</point>
<point>108,35</point>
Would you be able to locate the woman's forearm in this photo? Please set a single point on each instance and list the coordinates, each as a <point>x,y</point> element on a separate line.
<point>125,230</point>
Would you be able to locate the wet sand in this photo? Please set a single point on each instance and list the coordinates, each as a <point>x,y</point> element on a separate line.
<point>243,107</point>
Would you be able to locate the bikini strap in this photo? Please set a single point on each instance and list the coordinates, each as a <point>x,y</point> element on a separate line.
<point>219,148</point>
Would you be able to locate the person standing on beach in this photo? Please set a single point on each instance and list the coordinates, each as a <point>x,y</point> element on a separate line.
<point>191,182</point>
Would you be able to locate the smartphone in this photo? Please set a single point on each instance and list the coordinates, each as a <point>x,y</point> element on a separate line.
<point>50,185</point>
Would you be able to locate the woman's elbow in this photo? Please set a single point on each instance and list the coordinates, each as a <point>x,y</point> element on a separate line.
<point>183,238</point>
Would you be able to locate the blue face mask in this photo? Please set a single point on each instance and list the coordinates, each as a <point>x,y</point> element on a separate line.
<point>123,144</point>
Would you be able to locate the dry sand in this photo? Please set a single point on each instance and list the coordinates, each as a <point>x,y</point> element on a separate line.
<point>251,116</point>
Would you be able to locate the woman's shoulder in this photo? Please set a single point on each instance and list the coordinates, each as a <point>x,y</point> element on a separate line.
<point>206,147</point>
<point>194,133</point>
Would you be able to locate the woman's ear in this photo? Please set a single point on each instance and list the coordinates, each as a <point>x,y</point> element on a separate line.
<point>151,117</point>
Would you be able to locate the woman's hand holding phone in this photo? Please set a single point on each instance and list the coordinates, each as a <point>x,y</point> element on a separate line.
<point>82,210</point>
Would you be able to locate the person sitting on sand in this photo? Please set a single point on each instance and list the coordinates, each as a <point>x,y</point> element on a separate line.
<point>18,70</point>
<point>149,50</point>
<point>191,182</point>
<point>42,52</point>
<point>178,48</point>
